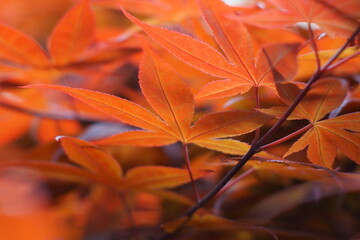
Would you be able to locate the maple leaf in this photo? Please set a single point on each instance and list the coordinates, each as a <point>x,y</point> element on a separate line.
<point>100,167</point>
<point>24,61</point>
<point>324,137</point>
<point>238,69</point>
<point>328,136</point>
<point>96,160</point>
<point>173,101</point>
<point>333,17</point>
<point>20,48</point>
<point>27,61</point>
<point>324,96</point>
<point>71,36</point>
<point>71,47</point>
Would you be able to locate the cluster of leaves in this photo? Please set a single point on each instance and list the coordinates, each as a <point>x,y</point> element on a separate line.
<point>245,115</point>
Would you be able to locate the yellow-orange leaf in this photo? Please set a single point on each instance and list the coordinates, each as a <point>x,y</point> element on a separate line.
<point>226,124</point>
<point>222,88</point>
<point>228,146</point>
<point>278,111</point>
<point>138,138</point>
<point>326,54</point>
<point>159,177</point>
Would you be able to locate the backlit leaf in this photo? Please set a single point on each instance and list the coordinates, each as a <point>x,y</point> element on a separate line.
<point>124,110</point>
<point>138,138</point>
<point>91,157</point>
<point>20,48</point>
<point>226,124</point>
<point>324,96</point>
<point>241,71</point>
<point>190,50</point>
<point>159,177</point>
<point>169,96</point>
<point>172,99</point>
<point>328,136</point>
<point>73,34</point>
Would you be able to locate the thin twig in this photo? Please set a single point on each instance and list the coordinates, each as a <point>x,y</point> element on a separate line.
<point>188,166</point>
<point>344,60</point>
<point>130,217</point>
<point>236,180</point>
<point>258,105</point>
<point>281,140</point>
<point>314,46</point>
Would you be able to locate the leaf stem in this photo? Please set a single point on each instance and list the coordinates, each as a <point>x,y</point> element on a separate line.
<point>188,166</point>
<point>340,50</point>
<point>221,183</point>
<point>222,193</point>
<point>130,217</point>
<point>236,180</point>
<point>314,46</point>
<point>258,105</point>
<point>281,140</point>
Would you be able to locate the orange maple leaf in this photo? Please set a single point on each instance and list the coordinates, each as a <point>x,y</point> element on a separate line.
<point>173,101</point>
<point>324,136</point>
<point>238,69</point>
<point>71,36</point>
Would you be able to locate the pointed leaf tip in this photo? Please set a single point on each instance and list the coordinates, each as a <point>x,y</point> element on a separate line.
<point>124,110</point>
<point>73,34</point>
<point>58,138</point>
